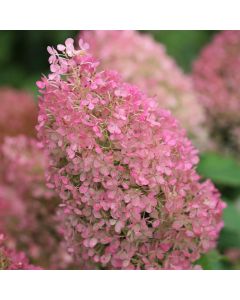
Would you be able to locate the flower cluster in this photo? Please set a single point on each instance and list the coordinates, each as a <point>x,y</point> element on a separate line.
<point>216,77</point>
<point>28,207</point>
<point>142,61</point>
<point>18,113</point>
<point>124,169</point>
<point>12,260</point>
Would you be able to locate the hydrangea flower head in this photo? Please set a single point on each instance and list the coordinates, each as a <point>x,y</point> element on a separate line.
<point>12,260</point>
<point>124,169</point>
<point>27,206</point>
<point>18,113</point>
<point>216,77</point>
<point>142,61</point>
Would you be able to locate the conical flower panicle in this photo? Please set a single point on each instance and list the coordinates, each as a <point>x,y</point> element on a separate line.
<point>124,169</point>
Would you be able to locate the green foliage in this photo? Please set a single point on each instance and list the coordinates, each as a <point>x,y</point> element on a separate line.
<point>229,239</point>
<point>211,261</point>
<point>232,217</point>
<point>230,236</point>
<point>221,169</point>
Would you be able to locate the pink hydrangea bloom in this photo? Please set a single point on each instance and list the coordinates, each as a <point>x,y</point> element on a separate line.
<point>217,79</point>
<point>18,113</point>
<point>12,260</point>
<point>125,172</point>
<point>142,61</point>
<point>27,206</point>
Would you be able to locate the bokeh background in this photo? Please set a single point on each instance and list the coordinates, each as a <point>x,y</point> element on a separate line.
<point>23,58</point>
<point>23,55</point>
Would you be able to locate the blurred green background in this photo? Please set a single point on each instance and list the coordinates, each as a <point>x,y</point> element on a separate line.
<point>23,58</point>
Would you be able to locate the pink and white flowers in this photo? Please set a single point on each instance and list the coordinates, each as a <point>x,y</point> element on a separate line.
<point>216,77</point>
<point>12,260</point>
<point>124,169</point>
<point>28,207</point>
<point>18,113</point>
<point>142,61</point>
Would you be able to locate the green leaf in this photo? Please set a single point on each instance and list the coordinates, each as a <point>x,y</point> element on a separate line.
<point>230,235</point>
<point>228,239</point>
<point>221,169</point>
<point>231,216</point>
<point>211,261</point>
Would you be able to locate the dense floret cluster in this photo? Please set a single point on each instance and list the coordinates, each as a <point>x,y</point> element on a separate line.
<point>217,79</point>
<point>28,207</point>
<point>12,260</point>
<point>124,169</point>
<point>142,61</point>
<point>19,107</point>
